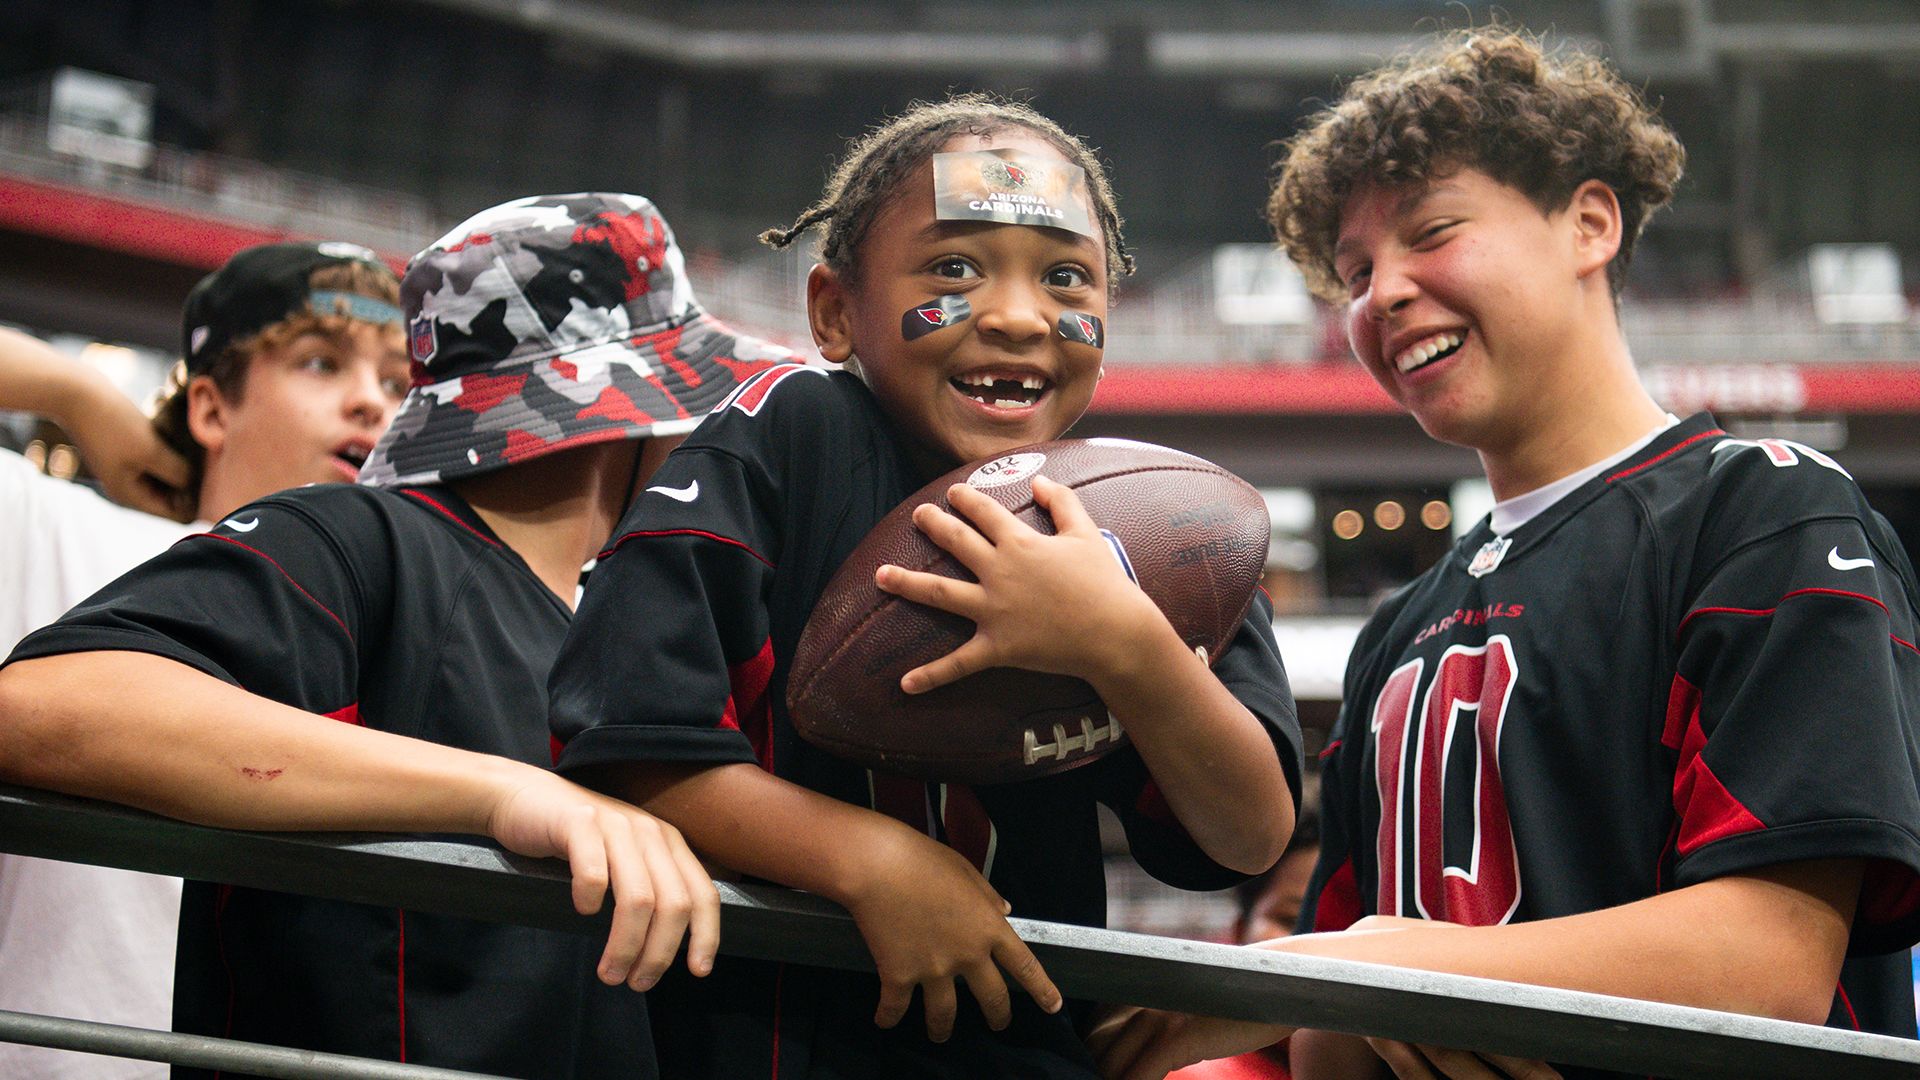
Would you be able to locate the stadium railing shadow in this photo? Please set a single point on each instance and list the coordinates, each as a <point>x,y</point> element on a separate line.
<point>483,882</point>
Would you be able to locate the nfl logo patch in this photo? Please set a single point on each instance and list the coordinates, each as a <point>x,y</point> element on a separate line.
<point>421,339</point>
<point>1487,559</point>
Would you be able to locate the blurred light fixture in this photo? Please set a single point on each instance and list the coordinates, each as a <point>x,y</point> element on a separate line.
<point>1436,515</point>
<point>1390,515</point>
<point>1347,524</point>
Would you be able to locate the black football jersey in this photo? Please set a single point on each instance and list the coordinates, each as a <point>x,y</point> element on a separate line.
<point>681,653</point>
<point>1699,663</point>
<point>401,611</point>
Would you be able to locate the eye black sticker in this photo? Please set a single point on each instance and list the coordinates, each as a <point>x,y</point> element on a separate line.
<point>935,314</point>
<point>1085,329</point>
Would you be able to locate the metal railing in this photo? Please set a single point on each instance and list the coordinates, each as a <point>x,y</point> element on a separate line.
<point>483,882</point>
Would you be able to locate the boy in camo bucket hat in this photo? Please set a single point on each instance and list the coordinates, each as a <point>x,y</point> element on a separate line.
<point>552,322</point>
<point>557,353</point>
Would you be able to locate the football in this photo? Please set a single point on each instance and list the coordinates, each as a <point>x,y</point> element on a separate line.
<point>1193,535</point>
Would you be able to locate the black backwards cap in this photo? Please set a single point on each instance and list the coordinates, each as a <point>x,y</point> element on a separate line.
<point>264,285</point>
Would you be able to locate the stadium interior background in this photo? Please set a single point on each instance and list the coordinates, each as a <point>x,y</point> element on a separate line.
<point>143,141</point>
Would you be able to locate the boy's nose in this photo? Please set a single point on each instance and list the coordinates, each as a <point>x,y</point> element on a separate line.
<point>1389,290</point>
<point>1014,313</point>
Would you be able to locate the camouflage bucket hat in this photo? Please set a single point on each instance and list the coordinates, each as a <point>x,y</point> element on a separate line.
<point>552,322</point>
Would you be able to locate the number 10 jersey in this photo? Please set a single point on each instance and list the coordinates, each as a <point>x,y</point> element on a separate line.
<point>1699,663</point>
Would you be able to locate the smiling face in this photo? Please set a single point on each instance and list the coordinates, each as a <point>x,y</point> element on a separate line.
<point>1470,306</point>
<point>308,412</point>
<point>1002,375</point>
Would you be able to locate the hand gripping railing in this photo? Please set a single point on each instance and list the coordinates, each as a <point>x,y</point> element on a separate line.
<point>476,881</point>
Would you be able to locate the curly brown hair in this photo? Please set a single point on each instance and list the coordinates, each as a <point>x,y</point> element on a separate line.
<point>1494,99</point>
<point>229,369</point>
<point>874,165</point>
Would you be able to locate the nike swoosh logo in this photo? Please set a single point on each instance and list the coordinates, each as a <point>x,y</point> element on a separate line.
<point>237,525</point>
<point>681,494</point>
<point>1834,560</point>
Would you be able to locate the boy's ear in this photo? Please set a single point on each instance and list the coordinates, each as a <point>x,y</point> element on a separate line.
<point>827,314</point>
<point>207,410</point>
<point>1594,211</point>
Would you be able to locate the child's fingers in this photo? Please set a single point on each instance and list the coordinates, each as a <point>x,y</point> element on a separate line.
<point>586,854</point>
<point>1119,1047</point>
<point>703,921</point>
<point>994,521</point>
<point>939,1001</point>
<point>1522,1069</point>
<point>990,990</point>
<point>1017,960</point>
<point>633,899</point>
<point>1063,505</point>
<point>956,665</point>
<point>672,907</point>
<point>1406,1062</point>
<point>934,590</point>
<point>895,997</point>
<point>955,537</point>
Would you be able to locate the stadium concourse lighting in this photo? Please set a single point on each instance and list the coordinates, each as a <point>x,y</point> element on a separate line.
<point>478,881</point>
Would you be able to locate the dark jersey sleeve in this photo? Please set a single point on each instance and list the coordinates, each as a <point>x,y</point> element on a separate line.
<point>1796,705</point>
<point>1250,668</point>
<point>670,651</point>
<point>268,600</point>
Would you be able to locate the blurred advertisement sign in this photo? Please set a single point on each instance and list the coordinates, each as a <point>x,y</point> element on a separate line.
<point>1856,283</point>
<point>100,117</point>
<point>1254,284</point>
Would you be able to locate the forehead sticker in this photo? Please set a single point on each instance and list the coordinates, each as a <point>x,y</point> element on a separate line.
<point>1012,188</point>
<point>935,314</point>
<point>1083,328</point>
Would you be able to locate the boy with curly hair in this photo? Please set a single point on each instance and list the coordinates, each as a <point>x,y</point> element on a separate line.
<point>1649,730</point>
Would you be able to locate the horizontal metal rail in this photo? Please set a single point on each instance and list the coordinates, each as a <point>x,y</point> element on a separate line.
<point>478,881</point>
<point>205,1052</point>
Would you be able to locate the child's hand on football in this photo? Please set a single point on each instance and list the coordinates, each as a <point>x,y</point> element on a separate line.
<point>1059,604</point>
<point>929,917</point>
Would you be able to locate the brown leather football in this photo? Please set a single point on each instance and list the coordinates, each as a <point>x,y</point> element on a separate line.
<point>1191,533</point>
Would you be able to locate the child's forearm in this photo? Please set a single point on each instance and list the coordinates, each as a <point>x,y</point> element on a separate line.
<point>1766,943</point>
<point>753,822</point>
<point>1210,757</point>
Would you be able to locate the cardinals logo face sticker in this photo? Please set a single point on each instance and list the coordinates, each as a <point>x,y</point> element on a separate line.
<point>935,314</point>
<point>1085,329</point>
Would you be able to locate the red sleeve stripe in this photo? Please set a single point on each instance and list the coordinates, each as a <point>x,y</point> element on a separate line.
<point>451,516</point>
<point>1874,600</point>
<point>284,574</point>
<point>1651,462</point>
<point>1331,747</point>
<point>1339,903</point>
<point>615,546</point>
<point>348,714</point>
<point>749,709</point>
<point>1852,1017</point>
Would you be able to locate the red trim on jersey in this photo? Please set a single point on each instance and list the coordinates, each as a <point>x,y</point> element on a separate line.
<point>1152,803</point>
<point>753,393</point>
<point>1706,810</point>
<point>1904,643</point>
<point>400,985</point>
<point>1651,462</point>
<point>748,706</point>
<point>451,516</point>
<point>1852,1017</point>
<point>615,546</point>
<point>1874,600</point>
<point>1331,747</point>
<point>1339,905</point>
<point>347,714</point>
<point>555,747</point>
<point>1683,703</point>
<point>283,573</point>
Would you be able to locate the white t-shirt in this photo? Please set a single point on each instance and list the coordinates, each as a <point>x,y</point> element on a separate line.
<point>76,941</point>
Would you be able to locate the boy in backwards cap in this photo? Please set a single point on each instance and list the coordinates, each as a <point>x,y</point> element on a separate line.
<point>417,618</point>
<point>294,362</point>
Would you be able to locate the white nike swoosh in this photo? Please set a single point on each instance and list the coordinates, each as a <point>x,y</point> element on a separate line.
<point>237,525</point>
<point>1834,560</point>
<point>682,494</point>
